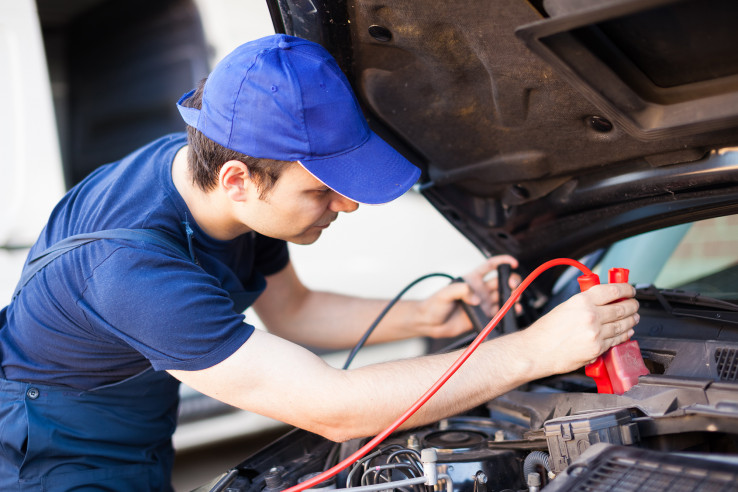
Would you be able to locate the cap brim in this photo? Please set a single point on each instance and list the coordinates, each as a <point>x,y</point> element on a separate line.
<point>372,173</point>
<point>189,115</point>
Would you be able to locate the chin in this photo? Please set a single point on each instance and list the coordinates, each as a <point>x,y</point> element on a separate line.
<point>308,237</point>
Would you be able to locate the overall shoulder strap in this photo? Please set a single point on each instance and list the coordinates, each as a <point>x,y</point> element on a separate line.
<point>66,245</point>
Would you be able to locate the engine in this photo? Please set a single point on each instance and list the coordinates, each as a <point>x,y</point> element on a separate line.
<point>677,429</point>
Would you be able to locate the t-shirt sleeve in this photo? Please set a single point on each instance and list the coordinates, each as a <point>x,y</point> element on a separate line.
<point>166,308</point>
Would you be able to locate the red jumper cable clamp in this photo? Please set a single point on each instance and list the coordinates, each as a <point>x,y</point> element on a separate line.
<point>617,370</point>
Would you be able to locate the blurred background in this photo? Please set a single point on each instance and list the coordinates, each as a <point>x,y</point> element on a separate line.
<point>87,81</point>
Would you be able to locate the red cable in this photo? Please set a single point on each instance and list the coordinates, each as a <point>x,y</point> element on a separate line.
<point>438,384</point>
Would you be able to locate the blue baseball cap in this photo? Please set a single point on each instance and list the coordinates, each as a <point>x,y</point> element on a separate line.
<point>285,98</point>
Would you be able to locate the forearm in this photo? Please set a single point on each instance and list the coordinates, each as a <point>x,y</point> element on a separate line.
<point>335,321</point>
<point>292,385</point>
<point>328,320</point>
<point>274,377</point>
<point>495,368</point>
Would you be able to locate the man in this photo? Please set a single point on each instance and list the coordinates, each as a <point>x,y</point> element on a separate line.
<point>144,268</point>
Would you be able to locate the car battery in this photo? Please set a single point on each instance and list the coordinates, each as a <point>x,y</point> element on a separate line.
<point>568,437</point>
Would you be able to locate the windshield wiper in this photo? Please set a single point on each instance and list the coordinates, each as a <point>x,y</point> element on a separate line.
<point>717,309</point>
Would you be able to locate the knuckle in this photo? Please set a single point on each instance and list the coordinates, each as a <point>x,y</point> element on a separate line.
<point>613,290</point>
<point>589,318</point>
<point>592,334</point>
<point>620,311</point>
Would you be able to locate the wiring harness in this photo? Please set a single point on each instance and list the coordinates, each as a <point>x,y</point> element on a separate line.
<point>385,465</point>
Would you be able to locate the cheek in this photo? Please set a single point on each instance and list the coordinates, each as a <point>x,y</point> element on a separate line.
<point>314,208</point>
<point>302,214</point>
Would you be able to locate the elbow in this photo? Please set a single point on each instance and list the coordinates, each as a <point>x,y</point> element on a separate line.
<point>343,431</point>
<point>344,428</point>
<point>339,433</point>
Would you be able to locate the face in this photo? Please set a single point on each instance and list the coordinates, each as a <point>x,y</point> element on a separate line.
<point>297,209</point>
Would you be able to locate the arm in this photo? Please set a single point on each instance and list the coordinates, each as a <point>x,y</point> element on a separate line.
<point>274,377</point>
<point>327,320</point>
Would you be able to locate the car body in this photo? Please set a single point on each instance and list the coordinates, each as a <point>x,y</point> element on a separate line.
<point>600,131</point>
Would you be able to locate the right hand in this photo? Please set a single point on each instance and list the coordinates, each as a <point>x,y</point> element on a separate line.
<point>579,330</point>
<point>439,316</point>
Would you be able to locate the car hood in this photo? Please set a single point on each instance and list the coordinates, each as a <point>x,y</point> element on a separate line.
<point>548,128</point>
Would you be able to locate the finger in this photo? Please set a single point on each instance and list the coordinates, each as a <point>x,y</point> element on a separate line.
<point>620,331</point>
<point>490,265</point>
<point>492,283</point>
<point>495,301</point>
<point>617,311</point>
<point>485,282</point>
<point>495,261</point>
<point>515,280</point>
<point>458,291</point>
<point>622,338</point>
<point>608,293</point>
<point>456,323</point>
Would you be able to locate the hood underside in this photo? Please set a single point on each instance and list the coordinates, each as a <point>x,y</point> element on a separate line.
<point>547,128</point>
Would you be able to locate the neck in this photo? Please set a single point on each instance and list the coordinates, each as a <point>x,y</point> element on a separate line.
<point>210,210</point>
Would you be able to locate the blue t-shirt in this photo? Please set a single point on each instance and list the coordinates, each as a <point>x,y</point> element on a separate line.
<point>112,308</point>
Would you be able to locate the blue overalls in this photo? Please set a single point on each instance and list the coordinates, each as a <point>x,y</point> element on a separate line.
<point>115,437</point>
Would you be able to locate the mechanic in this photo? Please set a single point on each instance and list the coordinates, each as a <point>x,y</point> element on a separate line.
<point>171,244</point>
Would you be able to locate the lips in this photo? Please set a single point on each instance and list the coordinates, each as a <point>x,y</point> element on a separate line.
<point>325,225</point>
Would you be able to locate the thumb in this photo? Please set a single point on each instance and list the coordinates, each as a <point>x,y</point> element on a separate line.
<point>458,290</point>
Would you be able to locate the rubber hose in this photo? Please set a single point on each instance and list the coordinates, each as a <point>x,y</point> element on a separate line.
<point>532,461</point>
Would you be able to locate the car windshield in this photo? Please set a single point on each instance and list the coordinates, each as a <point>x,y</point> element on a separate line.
<point>698,256</point>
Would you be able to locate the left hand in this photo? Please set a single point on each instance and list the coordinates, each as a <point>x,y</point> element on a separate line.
<point>440,316</point>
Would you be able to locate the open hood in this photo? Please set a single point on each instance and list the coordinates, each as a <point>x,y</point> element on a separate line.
<point>600,130</point>
<point>547,128</point>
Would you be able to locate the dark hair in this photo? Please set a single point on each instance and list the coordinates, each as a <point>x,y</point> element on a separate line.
<point>206,157</point>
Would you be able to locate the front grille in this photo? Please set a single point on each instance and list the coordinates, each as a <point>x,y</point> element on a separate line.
<point>624,475</point>
<point>726,362</point>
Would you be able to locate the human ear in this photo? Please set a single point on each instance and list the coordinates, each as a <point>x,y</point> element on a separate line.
<point>235,180</point>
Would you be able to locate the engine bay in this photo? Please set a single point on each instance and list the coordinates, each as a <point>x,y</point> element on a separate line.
<point>677,429</point>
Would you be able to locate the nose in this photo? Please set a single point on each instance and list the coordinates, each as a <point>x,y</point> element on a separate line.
<point>340,203</point>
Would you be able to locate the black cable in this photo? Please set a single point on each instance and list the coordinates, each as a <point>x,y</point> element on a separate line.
<point>474,313</point>
<point>15,247</point>
<point>461,342</point>
<point>389,306</point>
<point>224,482</point>
<point>358,464</point>
<point>331,459</point>
<point>377,471</point>
<point>366,459</point>
<point>508,324</point>
<point>414,459</point>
